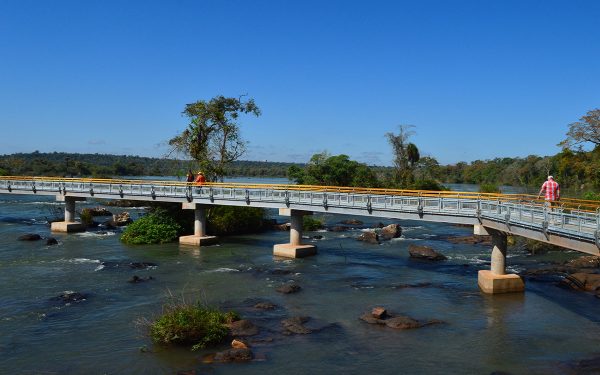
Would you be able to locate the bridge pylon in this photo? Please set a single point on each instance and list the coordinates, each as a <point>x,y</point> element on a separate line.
<point>294,249</point>
<point>496,280</point>
<point>69,225</point>
<point>199,238</point>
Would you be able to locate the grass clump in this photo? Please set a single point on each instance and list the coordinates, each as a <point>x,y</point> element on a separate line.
<point>311,224</point>
<point>191,324</point>
<point>156,227</point>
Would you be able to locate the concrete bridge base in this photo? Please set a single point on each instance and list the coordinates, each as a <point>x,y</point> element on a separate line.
<point>294,249</point>
<point>194,240</point>
<point>69,225</point>
<point>199,238</point>
<point>66,227</point>
<point>496,280</point>
<point>495,284</point>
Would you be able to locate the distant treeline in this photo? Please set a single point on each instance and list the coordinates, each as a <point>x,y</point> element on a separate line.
<point>577,170</point>
<point>105,165</point>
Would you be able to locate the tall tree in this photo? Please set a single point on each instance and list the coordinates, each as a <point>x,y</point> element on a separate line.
<point>213,137</point>
<point>587,129</point>
<point>399,143</point>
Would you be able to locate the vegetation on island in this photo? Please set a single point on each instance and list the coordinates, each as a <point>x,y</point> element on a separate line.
<point>191,324</point>
<point>156,227</point>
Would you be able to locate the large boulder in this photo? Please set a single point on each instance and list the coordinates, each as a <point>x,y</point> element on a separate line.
<point>29,237</point>
<point>390,231</point>
<point>121,219</point>
<point>424,252</point>
<point>369,237</point>
<point>295,325</point>
<point>588,261</point>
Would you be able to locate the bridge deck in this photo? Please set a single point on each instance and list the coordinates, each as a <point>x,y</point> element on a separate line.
<point>573,224</point>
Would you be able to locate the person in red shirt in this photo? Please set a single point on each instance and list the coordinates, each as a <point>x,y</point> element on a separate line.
<point>200,179</point>
<point>551,191</point>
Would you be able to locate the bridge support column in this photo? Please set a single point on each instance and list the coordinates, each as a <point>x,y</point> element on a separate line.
<point>294,249</point>
<point>69,224</point>
<point>496,280</point>
<point>199,238</point>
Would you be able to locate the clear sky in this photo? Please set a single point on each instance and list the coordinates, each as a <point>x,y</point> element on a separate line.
<point>478,79</point>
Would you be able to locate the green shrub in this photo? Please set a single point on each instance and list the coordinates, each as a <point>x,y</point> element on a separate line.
<point>86,216</point>
<point>309,223</point>
<point>191,324</point>
<point>224,220</point>
<point>156,227</point>
<point>428,185</point>
<point>489,188</point>
<point>590,195</point>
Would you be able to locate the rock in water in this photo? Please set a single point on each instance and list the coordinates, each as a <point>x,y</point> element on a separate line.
<point>588,261</point>
<point>295,325</point>
<point>29,237</point>
<point>351,222</point>
<point>239,344</point>
<point>51,241</point>
<point>391,231</point>
<point>369,237</point>
<point>243,327</point>
<point>402,322</point>
<point>379,312</point>
<point>289,288</point>
<point>234,355</point>
<point>424,252</point>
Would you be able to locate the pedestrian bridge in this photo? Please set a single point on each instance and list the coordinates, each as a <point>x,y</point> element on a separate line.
<point>570,223</point>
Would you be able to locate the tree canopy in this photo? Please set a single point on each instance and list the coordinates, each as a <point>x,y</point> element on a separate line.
<point>339,170</point>
<point>213,137</point>
<point>587,129</point>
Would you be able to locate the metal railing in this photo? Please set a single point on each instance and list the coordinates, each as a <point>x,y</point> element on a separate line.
<point>578,219</point>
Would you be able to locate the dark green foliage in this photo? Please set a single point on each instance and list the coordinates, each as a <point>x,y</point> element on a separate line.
<point>86,217</point>
<point>428,185</point>
<point>310,224</point>
<point>225,220</point>
<point>592,196</point>
<point>489,188</point>
<point>156,227</point>
<point>191,324</point>
<point>323,169</point>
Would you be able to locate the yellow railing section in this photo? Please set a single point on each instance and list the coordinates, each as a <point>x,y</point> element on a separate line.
<point>566,203</point>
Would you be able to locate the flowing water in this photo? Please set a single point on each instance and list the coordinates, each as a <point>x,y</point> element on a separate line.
<point>539,332</point>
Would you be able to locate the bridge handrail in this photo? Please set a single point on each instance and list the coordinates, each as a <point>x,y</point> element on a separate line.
<point>565,203</point>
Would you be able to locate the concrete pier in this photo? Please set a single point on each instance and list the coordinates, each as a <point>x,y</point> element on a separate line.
<point>496,280</point>
<point>69,225</point>
<point>199,238</point>
<point>294,249</point>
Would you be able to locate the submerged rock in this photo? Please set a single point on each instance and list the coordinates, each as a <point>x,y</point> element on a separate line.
<point>369,237</point>
<point>351,222</point>
<point>242,327</point>
<point>141,265</point>
<point>135,279</point>
<point>29,237</point>
<point>381,316</point>
<point>51,241</point>
<point>424,252</point>
<point>338,228</point>
<point>289,288</point>
<point>391,231</point>
<point>69,297</point>
<point>295,325</point>
<point>265,306</point>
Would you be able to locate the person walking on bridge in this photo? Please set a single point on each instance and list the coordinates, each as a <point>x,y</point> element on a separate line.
<point>200,179</point>
<point>551,191</point>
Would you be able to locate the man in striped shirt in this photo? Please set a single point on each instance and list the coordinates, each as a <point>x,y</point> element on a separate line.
<point>551,191</point>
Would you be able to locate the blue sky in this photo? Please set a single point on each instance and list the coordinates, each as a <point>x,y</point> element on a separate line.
<point>478,79</point>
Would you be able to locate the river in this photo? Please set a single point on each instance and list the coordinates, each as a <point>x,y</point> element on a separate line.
<point>539,332</point>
